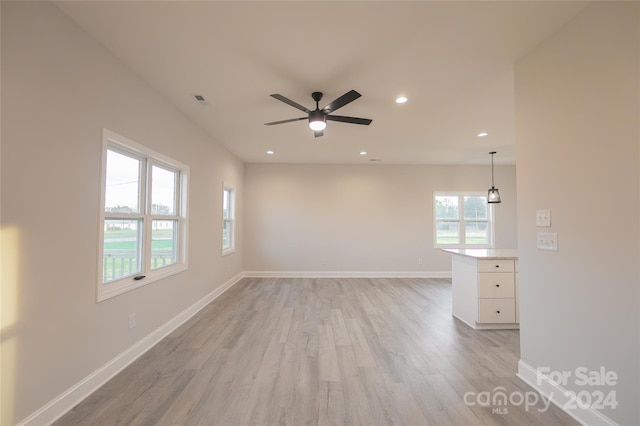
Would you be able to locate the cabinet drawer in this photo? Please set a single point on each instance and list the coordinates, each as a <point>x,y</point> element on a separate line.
<point>496,285</point>
<point>495,266</point>
<point>497,311</point>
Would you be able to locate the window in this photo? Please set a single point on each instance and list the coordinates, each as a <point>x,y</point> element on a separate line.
<point>228,215</point>
<point>143,216</point>
<point>463,220</point>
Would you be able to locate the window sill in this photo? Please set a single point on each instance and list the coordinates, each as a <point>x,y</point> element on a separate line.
<point>463,246</point>
<point>125,285</point>
<point>228,252</point>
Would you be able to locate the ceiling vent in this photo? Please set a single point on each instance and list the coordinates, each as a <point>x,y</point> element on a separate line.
<point>201,100</point>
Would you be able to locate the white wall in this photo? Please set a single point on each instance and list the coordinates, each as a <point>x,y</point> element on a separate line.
<point>375,218</point>
<point>577,113</point>
<point>59,89</point>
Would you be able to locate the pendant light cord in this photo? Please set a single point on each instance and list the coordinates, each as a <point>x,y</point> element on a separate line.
<point>492,184</point>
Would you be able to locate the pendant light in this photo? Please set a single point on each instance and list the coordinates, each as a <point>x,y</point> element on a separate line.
<point>493,196</point>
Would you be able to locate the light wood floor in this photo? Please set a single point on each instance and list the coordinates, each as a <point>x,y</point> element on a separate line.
<point>320,351</point>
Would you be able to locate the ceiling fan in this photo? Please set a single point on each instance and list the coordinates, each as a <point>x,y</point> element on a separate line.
<point>318,117</point>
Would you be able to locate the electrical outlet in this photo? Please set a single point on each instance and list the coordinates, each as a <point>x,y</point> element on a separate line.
<point>419,261</point>
<point>543,218</point>
<point>132,320</point>
<point>323,260</point>
<point>547,241</point>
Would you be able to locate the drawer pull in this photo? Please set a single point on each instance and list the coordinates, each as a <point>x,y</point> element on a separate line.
<point>497,266</point>
<point>497,285</point>
<point>498,311</point>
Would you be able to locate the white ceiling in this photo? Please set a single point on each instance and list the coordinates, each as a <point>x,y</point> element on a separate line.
<point>453,60</point>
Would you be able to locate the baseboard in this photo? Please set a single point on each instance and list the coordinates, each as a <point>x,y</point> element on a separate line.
<point>559,396</point>
<point>347,274</point>
<point>72,396</point>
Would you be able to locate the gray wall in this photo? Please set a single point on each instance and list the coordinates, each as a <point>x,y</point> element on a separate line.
<point>376,218</point>
<point>59,88</point>
<point>577,113</point>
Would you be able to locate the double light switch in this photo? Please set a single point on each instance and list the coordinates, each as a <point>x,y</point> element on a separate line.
<point>545,240</point>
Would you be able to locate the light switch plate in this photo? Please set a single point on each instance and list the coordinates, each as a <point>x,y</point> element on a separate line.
<point>547,241</point>
<point>543,218</point>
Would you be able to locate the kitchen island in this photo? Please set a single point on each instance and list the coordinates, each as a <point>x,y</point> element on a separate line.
<point>485,287</point>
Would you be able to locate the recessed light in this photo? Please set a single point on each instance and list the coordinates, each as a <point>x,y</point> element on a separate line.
<point>270,152</point>
<point>483,134</point>
<point>401,99</point>
<point>363,152</point>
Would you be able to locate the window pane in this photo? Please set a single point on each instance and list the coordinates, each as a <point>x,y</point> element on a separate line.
<point>121,249</point>
<point>448,233</point>
<point>163,243</point>
<point>226,235</point>
<point>447,207</point>
<point>226,204</point>
<point>122,191</point>
<point>163,191</point>
<point>476,233</point>
<point>475,207</point>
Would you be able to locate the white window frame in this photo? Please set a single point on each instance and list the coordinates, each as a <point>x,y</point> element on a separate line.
<point>115,142</point>
<point>461,194</point>
<point>231,219</point>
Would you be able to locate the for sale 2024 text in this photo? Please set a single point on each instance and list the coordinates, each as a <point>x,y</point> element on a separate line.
<point>583,377</point>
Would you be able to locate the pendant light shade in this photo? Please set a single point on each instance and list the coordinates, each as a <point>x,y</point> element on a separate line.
<point>493,196</point>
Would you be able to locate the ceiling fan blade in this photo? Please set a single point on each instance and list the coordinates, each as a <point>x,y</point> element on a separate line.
<point>290,102</point>
<point>353,120</point>
<point>285,121</point>
<point>342,101</point>
<point>318,133</point>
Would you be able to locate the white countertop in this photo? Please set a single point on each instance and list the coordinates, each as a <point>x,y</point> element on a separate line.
<point>485,253</point>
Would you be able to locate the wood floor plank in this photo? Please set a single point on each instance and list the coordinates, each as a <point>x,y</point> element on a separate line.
<point>361,348</point>
<point>340,333</point>
<point>321,351</point>
<point>327,357</point>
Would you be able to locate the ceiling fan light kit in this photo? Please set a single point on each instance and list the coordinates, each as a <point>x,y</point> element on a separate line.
<point>318,117</point>
<point>317,121</point>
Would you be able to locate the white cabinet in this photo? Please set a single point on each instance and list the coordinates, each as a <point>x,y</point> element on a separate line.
<point>485,288</point>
